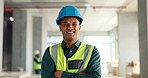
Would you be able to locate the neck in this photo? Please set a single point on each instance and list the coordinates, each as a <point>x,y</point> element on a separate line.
<point>70,44</point>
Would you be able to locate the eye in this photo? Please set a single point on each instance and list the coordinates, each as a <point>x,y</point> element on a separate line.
<point>75,24</point>
<point>65,24</point>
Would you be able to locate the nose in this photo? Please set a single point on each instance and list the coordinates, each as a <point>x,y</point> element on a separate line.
<point>70,26</point>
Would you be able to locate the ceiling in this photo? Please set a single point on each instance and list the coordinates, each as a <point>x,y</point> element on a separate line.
<point>99,15</point>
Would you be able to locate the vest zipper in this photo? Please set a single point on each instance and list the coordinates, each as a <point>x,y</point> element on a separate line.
<point>67,64</point>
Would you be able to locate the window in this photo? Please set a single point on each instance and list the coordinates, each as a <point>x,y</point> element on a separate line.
<point>54,40</point>
<point>104,47</point>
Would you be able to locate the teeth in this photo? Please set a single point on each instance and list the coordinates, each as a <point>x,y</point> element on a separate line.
<point>70,32</point>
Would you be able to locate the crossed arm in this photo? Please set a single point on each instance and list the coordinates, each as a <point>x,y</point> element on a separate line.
<point>93,69</point>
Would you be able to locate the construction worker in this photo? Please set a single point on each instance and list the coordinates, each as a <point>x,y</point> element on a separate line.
<point>71,58</point>
<point>37,62</point>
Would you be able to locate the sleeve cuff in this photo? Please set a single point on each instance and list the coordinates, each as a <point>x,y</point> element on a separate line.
<point>66,74</point>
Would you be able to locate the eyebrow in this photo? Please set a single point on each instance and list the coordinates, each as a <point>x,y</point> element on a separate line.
<point>67,22</point>
<point>64,22</point>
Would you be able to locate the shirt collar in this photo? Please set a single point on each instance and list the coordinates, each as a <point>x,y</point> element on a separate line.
<point>77,44</point>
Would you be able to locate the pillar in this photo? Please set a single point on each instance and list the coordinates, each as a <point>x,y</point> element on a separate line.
<point>143,37</point>
<point>40,34</point>
<point>128,45</point>
<point>37,33</point>
<point>19,40</point>
<point>1,32</point>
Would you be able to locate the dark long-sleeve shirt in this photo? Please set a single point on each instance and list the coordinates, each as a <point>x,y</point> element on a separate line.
<point>93,69</point>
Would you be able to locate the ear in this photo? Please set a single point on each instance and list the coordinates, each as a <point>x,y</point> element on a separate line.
<point>60,27</point>
<point>79,27</point>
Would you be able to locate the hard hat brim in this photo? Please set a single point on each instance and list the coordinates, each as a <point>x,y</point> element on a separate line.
<point>58,21</point>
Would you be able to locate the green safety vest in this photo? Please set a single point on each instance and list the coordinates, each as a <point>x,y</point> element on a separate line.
<point>36,65</point>
<point>83,53</point>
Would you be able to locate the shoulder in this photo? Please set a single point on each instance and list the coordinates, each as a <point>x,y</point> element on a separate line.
<point>90,45</point>
<point>95,49</point>
<point>54,45</point>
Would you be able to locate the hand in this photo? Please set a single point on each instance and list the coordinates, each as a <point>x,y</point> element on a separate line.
<point>82,72</point>
<point>58,74</point>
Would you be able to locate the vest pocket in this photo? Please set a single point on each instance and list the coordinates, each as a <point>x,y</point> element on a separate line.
<point>74,64</point>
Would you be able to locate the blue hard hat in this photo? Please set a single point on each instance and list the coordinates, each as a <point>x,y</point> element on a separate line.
<point>69,11</point>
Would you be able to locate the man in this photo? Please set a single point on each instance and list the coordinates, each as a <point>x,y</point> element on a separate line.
<point>37,62</point>
<point>71,58</point>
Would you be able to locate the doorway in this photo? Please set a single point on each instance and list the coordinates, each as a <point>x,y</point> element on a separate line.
<point>7,41</point>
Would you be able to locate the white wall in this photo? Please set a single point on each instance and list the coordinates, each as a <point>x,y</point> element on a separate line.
<point>128,40</point>
<point>114,43</point>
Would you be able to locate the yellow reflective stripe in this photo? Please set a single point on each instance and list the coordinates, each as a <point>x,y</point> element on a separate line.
<point>61,59</point>
<point>73,70</point>
<point>50,50</point>
<point>88,57</point>
<point>85,56</point>
<point>53,52</point>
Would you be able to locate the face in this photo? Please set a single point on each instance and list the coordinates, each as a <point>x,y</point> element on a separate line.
<point>70,28</point>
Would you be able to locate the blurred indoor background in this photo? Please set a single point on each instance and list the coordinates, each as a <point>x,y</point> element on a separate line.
<point>118,28</point>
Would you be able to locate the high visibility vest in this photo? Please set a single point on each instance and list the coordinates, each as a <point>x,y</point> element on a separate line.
<point>83,53</point>
<point>37,65</point>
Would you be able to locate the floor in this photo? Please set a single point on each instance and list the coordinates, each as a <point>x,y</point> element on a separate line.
<point>28,75</point>
<point>103,76</point>
<point>110,76</point>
